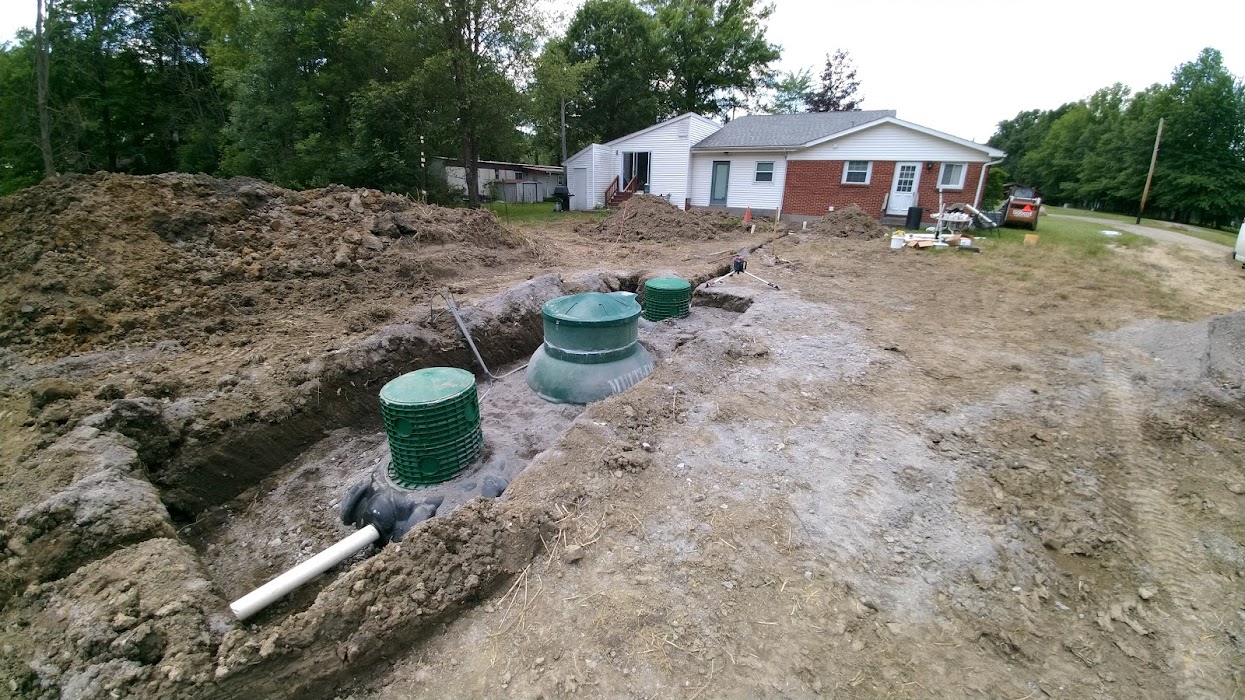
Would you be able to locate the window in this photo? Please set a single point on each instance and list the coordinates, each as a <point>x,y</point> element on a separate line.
<point>765,171</point>
<point>857,172</point>
<point>952,176</point>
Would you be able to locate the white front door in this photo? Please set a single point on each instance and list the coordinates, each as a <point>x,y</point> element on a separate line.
<point>903,188</point>
<point>579,189</point>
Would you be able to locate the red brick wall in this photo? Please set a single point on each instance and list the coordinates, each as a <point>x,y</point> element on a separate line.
<point>927,189</point>
<point>814,185</point>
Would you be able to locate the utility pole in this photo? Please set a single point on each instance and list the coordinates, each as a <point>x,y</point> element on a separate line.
<point>563,130</point>
<point>1158,138</point>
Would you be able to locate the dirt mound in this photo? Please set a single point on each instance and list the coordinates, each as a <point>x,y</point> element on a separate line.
<point>849,222</point>
<point>92,260</point>
<point>649,218</point>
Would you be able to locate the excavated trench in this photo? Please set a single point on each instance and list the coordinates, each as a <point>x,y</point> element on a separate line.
<point>267,496</point>
<point>253,498</point>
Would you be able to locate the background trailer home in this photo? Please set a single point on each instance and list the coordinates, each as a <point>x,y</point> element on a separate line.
<point>800,164</point>
<point>510,182</point>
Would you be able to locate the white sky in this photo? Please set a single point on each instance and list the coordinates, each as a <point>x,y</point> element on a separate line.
<point>961,66</point>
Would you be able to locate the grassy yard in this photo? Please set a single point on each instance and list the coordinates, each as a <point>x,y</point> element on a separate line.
<point>1206,234</point>
<point>539,212</point>
<point>1078,237</point>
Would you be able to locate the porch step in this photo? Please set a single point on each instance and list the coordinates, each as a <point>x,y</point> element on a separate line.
<point>894,221</point>
<point>618,199</point>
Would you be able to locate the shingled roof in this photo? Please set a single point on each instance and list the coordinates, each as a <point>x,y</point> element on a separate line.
<point>786,130</point>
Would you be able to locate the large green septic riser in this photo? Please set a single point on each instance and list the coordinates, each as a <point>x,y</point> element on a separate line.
<point>432,420</point>
<point>591,350</point>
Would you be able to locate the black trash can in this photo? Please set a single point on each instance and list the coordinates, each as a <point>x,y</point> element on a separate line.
<point>563,193</point>
<point>913,222</point>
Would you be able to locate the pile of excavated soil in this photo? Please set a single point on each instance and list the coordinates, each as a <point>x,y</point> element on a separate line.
<point>648,218</point>
<point>91,261</point>
<point>849,222</point>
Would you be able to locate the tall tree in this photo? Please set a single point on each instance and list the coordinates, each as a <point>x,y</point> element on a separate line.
<point>291,90</point>
<point>41,87</point>
<point>792,92</point>
<point>1096,152</point>
<point>481,37</point>
<point>839,88</point>
<point>557,85</point>
<point>1202,171</point>
<point>717,52</point>
<point>621,92</point>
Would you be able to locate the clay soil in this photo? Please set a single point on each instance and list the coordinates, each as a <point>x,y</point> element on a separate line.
<point>1009,475</point>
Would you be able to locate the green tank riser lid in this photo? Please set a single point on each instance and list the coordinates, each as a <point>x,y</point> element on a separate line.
<point>667,297</point>
<point>593,309</point>
<point>667,284</point>
<point>591,348</point>
<point>432,421</point>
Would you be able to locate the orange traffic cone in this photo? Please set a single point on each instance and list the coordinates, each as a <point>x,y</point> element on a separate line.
<point>747,215</point>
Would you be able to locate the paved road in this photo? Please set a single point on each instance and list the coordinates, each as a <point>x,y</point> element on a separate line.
<point>1158,234</point>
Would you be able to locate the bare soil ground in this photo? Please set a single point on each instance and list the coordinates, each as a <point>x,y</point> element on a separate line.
<point>1007,475</point>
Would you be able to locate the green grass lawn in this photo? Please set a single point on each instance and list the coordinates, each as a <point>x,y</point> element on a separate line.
<point>1206,234</point>
<point>539,212</point>
<point>1079,236</point>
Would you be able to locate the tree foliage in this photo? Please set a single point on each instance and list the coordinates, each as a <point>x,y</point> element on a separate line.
<point>1096,152</point>
<point>717,52</point>
<point>792,92</point>
<point>556,98</point>
<point>361,92</point>
<point>621,91</point>
<point>839,88</point>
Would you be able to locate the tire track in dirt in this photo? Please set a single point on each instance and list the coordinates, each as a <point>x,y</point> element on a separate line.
<point>1163,540</point>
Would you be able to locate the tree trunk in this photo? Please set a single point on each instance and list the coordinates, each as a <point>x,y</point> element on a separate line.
<point>563,161</point>
<point>41,89</point>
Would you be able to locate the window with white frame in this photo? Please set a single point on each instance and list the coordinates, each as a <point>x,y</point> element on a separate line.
<point>765,171</point>
<point>952,176</point>
<point>857,172</point>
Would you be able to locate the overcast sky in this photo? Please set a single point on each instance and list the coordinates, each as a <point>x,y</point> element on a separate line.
<point>961,66</point>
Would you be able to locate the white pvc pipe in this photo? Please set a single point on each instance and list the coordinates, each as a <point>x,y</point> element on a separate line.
<point>274,590</point>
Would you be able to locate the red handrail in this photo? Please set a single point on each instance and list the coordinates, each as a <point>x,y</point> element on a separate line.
<point>611,191</point>
<point>631,185</point>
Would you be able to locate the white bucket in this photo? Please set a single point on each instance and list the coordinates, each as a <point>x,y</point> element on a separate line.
<point>897,242</point>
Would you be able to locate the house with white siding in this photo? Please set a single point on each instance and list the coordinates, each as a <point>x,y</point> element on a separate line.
<point>800,165</point>
<point>655,160</point>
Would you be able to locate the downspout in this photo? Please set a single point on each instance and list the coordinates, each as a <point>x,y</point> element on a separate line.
<point>981,182</point>
<point>786,172</point>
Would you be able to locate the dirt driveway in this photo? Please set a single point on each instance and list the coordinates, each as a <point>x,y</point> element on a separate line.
<point>1209,248</point>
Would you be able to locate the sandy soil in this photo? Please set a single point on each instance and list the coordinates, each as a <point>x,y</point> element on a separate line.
<point>903,476</point>
<point>1013,474</point>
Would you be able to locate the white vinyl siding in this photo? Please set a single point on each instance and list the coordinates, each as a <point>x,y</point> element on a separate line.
<point>951,176</point>
<point>669,147</point>
<point>764,172</point>
<point>743,190</point>
<point>858,172</point>
<point>595,162</point>
<point>891,142</point>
